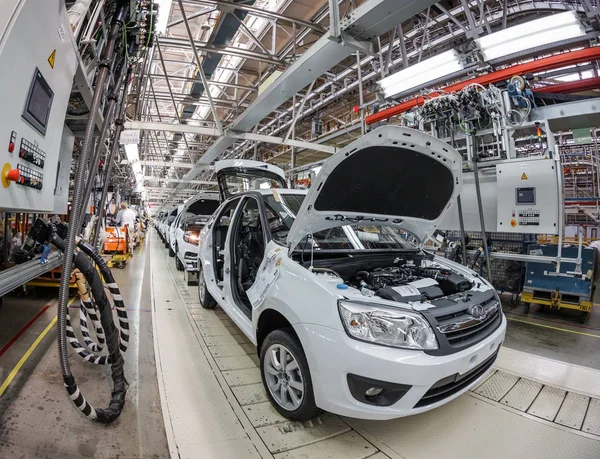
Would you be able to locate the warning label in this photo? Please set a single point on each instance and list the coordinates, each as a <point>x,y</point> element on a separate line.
<point>524,176</point>
<point>52,58</point>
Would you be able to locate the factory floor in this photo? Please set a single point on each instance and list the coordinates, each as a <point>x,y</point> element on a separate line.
<point>206,401</point>
<point>37,419</point>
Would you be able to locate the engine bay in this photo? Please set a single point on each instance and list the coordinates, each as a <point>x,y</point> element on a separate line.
<point>409,283</point>
<point>412,276</point>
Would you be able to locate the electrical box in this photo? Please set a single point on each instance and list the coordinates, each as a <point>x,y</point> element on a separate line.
<point>528,197</point>
<point>38,59</point>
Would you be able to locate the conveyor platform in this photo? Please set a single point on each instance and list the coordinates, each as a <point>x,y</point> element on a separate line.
<point>215,406</point>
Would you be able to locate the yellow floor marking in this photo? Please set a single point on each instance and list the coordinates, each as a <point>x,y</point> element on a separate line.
<point>21,362</point>
<point>553,328</point>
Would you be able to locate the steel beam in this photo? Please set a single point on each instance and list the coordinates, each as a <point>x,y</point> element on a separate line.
<point>282,141</point>
<point>167,164</point>
<point>183,128</point>
<point>202,12</point>
<point>150,178</point>
<point>571,115</point>
<point>182,43</point>
<point>207,91</point>
<point>230,7</point>
<point>210,83</point>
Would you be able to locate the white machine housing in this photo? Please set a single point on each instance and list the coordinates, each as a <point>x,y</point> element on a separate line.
<point>38,54</point>
<point>528,197</point>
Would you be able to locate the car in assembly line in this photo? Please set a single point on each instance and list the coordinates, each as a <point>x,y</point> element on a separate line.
<point>169,227</point>
<point>348,312</point>
<point>165,222</point>
<point>186,231</point>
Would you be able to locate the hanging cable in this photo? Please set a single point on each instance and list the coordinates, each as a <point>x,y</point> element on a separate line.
<point>82,262</point>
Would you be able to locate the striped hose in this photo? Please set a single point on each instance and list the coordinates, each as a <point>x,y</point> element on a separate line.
<point>81,351</point>
<point>113,288</point>
<point>87,307</point>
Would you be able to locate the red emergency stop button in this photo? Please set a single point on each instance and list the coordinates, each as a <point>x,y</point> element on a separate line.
<point>13,175</point>
<point>513,223</point>
<point>6,173</point>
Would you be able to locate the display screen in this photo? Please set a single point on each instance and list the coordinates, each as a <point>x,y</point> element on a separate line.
<point>39,103</point>
<point>526,195</point>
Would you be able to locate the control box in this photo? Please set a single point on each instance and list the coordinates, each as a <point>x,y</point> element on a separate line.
<point>528,197</point>
<point>38,59</point>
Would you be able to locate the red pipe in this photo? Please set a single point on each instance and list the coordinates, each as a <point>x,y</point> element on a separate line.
<point>540,65</point>
<point>571,87</point>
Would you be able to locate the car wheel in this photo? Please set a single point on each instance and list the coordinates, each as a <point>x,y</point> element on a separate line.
<point>178,263</point>
<point>206,299</point>
<point>526,308</point>
<point>171,251</point>
<point>286,376</point>
<point>166,244</point>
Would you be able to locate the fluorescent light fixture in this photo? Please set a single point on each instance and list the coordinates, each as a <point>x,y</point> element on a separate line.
<point>132,153</point>
<point>164,10</point>
<point>544,31</point>
<point>133,156</point>
<point>418,75</point>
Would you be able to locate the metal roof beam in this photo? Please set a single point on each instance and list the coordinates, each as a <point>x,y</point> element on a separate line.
<point>150,178</point>
<point>369,20</point>
<point>197,80</point>
<point>167,164</point>
<point>169,42</point>
<point>230,7</point>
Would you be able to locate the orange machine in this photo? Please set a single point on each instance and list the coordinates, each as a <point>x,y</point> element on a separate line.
<point>116,242</point>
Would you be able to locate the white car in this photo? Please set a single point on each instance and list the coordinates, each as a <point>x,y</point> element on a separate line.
<point>166,221</point>
<point>190,222</point>
<point>170,229</point>
<point>347,315</point>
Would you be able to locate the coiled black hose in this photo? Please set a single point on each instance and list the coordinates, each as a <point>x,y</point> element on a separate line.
<point>81,261</point>
<point>106,415</point>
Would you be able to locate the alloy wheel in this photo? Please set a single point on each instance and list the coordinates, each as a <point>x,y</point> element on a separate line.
<point>283,377</point>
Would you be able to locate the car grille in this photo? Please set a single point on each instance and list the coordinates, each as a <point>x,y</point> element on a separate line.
<point>450,385</point>
<point>463,328</point>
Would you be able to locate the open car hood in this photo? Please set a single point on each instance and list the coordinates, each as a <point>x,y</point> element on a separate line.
<point>392,176</point>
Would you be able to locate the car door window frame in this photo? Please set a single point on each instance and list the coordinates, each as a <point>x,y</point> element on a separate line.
<point>215,225</point>
<point>235,226</point>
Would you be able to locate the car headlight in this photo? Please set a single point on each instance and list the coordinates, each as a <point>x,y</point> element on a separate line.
<point>386,326</point>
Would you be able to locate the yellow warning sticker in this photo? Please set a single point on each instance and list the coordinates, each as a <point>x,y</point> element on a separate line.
<point>52,58</point>
<point>524,176</point>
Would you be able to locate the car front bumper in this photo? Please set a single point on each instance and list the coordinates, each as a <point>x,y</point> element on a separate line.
<point>188,254</point>
<point>332,356</point>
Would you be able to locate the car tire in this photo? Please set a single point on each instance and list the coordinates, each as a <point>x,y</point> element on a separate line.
<point>300,407</point>
<point>206,299</point>
<point>166,244</point>
<point>171,251</point>
<point>178,264</point>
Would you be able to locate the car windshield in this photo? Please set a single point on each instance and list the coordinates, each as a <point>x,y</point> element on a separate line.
<point>281,213</point>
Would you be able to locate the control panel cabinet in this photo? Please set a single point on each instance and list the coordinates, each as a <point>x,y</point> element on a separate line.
<point>38,61</point>
<point>528,197</point>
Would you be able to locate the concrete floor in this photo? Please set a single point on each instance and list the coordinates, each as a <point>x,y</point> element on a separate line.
<point>37,420</point>
<point>556,335</point>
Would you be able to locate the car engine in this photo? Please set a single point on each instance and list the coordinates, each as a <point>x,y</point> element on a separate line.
<point>409,283</point>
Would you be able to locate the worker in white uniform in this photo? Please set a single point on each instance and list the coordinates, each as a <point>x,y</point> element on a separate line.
<point>126,217</point>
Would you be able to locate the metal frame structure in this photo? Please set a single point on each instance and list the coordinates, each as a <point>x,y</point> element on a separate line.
<point>353,46</point>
